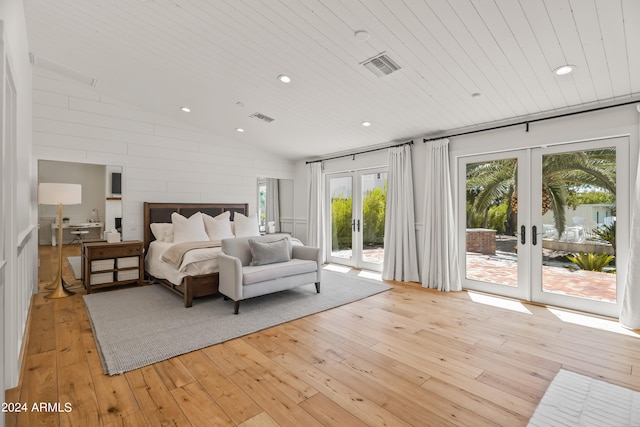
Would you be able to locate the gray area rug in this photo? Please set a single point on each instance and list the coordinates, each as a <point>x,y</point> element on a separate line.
<point>576,400</point>
<point>139,326</point>
<point>75,263</point>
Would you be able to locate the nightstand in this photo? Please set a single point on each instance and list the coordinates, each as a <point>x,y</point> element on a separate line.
<point>112,264</point>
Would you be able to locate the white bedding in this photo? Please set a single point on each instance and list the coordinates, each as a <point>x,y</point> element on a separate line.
<point>195,262</point>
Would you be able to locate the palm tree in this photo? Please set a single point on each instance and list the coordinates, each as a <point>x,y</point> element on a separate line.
<point>490,184</point>
<point>495,182</point>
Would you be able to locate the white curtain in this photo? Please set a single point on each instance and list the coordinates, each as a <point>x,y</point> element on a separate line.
<point>400,255</point>
<point>273,203</point>
<point>315,212</point>
<point>630,311</point>
<point>440,268</point>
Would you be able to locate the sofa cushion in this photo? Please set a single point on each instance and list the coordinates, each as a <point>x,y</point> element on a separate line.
<point>269,252</point>
<point>261,273</point>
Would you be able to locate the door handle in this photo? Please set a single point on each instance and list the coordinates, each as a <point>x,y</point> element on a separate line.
<point>358,226</point>
<point>534,235</point>
<point>353,225</point>
<point>523,234</point>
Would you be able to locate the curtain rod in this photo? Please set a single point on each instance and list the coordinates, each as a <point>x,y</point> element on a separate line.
<point>361,152</point>
<point>526,122</point>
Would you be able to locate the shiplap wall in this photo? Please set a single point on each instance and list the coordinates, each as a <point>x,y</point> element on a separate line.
<point>18,242</point>
<point>163,161</point>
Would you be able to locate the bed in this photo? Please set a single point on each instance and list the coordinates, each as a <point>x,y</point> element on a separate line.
<point>192,283</point>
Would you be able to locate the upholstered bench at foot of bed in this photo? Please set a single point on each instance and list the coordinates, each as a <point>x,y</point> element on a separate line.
<point>239,280</point>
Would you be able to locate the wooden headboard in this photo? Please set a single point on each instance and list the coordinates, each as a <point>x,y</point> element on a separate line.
<point>161,212</point>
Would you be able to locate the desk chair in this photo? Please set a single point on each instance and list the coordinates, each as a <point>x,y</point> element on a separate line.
<point>77,235</point>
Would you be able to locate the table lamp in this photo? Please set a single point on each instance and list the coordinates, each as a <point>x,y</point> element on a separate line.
<point>53,193</point>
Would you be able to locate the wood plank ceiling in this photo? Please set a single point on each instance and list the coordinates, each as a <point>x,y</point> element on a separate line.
<point>221,58</point>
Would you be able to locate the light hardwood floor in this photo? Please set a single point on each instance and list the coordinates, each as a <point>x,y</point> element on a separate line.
<point>409,356</point>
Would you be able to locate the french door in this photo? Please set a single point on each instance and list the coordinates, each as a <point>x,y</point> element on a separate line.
<point>547,224</point>
<point>356,203</point>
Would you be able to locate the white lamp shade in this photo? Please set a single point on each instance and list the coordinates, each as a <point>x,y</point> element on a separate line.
<point>53,193</point>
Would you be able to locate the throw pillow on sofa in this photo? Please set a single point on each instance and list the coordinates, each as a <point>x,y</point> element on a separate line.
<point>263,253</point>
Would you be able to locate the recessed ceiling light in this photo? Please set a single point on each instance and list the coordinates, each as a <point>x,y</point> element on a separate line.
<point>476,95</point>
<point>284,78</point>
<point>239,130</point>
<point>185,109</point>
<point>361,35</point>
<point>564,69</point>
<point>366,124</point>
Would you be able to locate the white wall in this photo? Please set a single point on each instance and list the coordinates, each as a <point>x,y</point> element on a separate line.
<point>162,161</point>
<point>18,257</point>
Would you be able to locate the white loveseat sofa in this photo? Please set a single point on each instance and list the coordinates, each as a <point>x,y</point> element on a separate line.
<point>255,266</point>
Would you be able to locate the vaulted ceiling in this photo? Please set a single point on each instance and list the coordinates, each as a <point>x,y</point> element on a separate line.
<point>462,62</point>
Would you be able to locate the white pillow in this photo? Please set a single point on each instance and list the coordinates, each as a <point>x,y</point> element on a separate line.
<point>218,227</point>
<point>162,231</point>
<point>246,226</point>
<point>188,230</point>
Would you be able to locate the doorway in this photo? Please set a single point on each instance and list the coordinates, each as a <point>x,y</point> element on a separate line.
<point>546,224</point>
<point>101,200</point>
<point>356,203</point>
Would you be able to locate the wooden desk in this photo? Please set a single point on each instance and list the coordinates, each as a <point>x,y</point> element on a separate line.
<point>84,226</point>
<point>112,264</point>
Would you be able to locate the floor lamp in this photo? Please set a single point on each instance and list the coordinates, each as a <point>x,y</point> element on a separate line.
<point>51,193</point>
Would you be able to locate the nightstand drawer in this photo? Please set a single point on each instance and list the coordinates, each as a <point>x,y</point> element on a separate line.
<point>128,262</point>
<point>103,264</point>
<point>101,278</point>
<point>115,251</point>
<point>127,275</point>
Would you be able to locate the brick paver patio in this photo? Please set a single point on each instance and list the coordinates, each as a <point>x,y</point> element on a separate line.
<point>577,283</point>
<point>503,270</point>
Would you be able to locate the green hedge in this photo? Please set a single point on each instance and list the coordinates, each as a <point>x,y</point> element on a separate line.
<point>341,223</point>
<point>373,217</point>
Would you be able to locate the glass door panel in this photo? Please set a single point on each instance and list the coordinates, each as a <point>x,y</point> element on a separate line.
<point>373,192</point>
<point>494,210</point>
<point>341,229</point>
<point>579,200</point>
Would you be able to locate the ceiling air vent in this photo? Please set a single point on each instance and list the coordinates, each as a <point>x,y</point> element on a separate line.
<point>39,61</point>
<point>381,65</point>
<point>262,117</point>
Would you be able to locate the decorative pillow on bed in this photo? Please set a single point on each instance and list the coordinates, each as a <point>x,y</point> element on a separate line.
<point>188,230</point>
<point>162,231</point>
<point>218,227</point>
<point>246,226</point>
<point>269,252</point>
